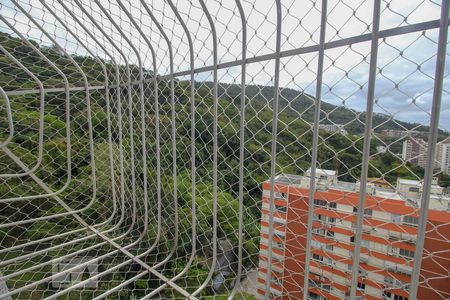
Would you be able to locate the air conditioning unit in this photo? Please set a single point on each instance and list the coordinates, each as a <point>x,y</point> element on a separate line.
<point>321,185</point>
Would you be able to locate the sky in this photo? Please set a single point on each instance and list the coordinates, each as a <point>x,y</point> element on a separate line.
<point>406,63</point>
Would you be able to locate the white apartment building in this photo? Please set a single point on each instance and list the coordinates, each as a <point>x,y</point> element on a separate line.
<point>333,128</point>
<point>444,155</point>
<point>415,151</point>
<point>391,217</point>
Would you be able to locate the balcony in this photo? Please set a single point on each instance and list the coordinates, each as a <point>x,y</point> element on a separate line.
<point>161,149</point>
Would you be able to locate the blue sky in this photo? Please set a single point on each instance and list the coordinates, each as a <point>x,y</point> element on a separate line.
<point>402,89</point>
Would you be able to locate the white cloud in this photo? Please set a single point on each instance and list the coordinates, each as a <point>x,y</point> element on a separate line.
<point>401,89</point>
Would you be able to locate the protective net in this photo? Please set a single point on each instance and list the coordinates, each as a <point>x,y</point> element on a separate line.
<point>209,149</point>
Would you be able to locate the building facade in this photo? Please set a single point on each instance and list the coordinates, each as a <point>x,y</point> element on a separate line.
<point>415,151</point>
<point>444,155</point>
<point>401,133</point>
<point>334,128</point>
<point>387,246</point>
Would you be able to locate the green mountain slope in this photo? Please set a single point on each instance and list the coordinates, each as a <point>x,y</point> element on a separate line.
<point>294,101</point>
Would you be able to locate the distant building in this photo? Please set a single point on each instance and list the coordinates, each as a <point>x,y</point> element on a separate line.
<point>415,151</point>
<point>379,182</point>
<point>387,246</point>
<point>445,158</point>
<point>333,128</point>
<point>400,133</point>
<point>443,155</point>
<point>381,149</point>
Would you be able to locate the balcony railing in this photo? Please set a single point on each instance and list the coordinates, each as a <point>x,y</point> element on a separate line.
<point>139,138</point>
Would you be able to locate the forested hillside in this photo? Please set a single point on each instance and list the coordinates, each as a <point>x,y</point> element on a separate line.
<point>295,101</point>
<point>104,130</point>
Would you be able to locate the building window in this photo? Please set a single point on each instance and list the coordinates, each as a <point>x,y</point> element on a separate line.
<point>319,231</point>
<point>330,233</point>
<point>279,245</point>
<point>408,253</point>
<point>397,297</point>
<point>365,243</point>
<point>352,239</point>
<point>278,224</point>
<point>278,195</point>
<point>355,209</point>
<point>280,208</point>
<point>317,257</point>
<point>396,218</point>
<point>403,272</point>
<point>278,235</point>
<point>313,283</point>
<point>331,220</point>
<point>391,249</point>
<point>317,217</point>
<point>316,244</point>
<point>320,202</point>
<point>414,221</point>
<point>332,204</point>
<point>361,286</point>
<point>276,280</point>
<point>328,261</point>
<point>414,189</point>
<point>368,211</point>
<point>387,294</point>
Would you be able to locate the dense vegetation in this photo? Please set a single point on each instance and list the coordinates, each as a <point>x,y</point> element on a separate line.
<point>293,102</point>
<point>336,151</point>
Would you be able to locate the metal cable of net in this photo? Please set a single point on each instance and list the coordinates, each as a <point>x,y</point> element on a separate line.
<point>211,149</point>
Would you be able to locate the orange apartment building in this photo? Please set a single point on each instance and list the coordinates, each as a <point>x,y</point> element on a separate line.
<point>387,247</point>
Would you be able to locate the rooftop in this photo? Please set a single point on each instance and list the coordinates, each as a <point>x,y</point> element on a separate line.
<point>409,181</point>
<point>288,179</point>
<point>320,172</point>
<point>402,193</point>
